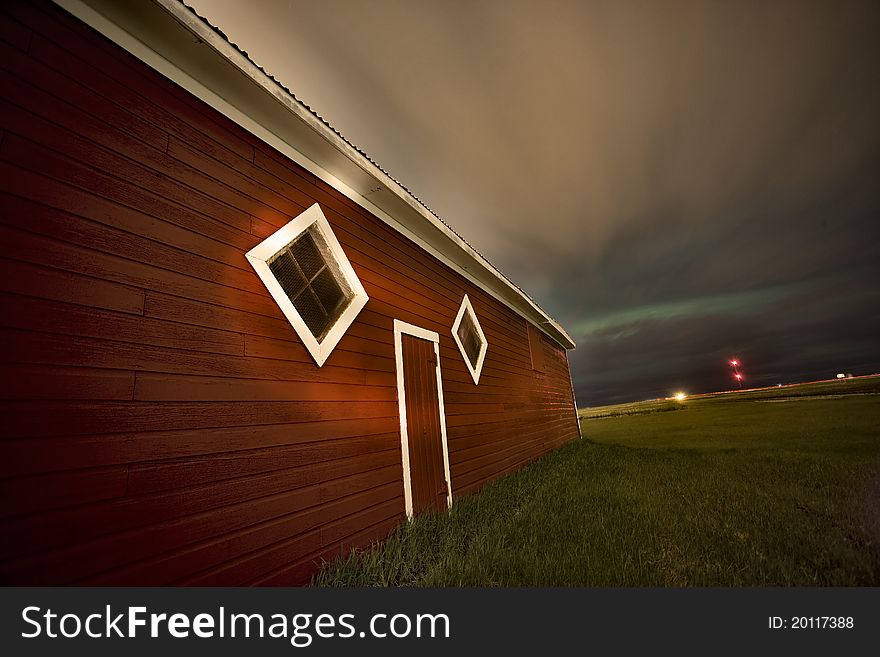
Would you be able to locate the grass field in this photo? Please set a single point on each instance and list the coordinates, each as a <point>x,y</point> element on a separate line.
<point>759,488</point>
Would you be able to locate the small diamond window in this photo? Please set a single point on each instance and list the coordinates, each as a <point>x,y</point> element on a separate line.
<point>470,340</point>
<point>469,337</point>
<point>307,273</point>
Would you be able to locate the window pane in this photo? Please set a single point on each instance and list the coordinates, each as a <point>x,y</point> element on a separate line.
<point>288,275</point>
<point>307,255</point>
<point>329,292</point>
<point>464,327</point>
<point>470,339</point>
<point>472,347</point>
<point>312,313</point>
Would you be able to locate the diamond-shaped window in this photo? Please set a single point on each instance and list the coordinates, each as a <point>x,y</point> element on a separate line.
<point>469,337</point>
<point>307,273</point>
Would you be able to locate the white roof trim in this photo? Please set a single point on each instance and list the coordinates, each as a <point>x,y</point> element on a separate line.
<point>169,37</point>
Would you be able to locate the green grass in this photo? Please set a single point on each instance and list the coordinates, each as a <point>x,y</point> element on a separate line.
<point>733,490</point>
<point>867,385</point>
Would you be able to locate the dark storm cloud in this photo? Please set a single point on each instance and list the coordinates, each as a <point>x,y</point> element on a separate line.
<point>781,335</point>
<point>673,181</point>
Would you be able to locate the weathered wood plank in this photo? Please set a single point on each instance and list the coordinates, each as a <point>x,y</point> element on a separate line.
<point>28,495</point>
<point>48,349</point>
<point>148,92</point>
<point>28,382</point>
<point>170,474</point>
<point>174,387</point>
<point>26,456</point>
<point>20,312</point>
<point>36,281</point>
<point>14,33</point>
<point>53,529</point>
<point>85,107</point>
<point>58,418</point>
<point>117,549</point>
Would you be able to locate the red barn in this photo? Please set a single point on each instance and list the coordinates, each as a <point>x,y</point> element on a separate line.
<point>233,345</point>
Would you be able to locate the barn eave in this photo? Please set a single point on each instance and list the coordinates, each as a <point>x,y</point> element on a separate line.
<point>177,42</point>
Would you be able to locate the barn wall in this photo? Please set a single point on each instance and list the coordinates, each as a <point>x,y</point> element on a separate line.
<point>162,421</point>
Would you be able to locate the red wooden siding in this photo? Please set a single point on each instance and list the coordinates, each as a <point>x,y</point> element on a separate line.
<point>162,421</point>
<point>427,472</point>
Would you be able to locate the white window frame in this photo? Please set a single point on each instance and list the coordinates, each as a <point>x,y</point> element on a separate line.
<point>401,328</point>
<point>265,250</point>
<point>466,307</point>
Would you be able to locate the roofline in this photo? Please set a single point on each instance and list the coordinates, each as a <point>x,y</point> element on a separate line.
<point>171,38</point>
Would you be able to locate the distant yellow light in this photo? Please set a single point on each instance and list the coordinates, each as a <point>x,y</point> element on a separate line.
<point>680,396</point>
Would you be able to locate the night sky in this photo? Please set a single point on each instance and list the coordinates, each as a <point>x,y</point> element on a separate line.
<point>676,183</point>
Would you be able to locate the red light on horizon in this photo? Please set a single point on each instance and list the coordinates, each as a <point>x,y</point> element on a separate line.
<point>739,376</point>
<point>734,363</point>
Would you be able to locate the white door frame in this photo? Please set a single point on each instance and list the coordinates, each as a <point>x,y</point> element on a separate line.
<point>401,328</point>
